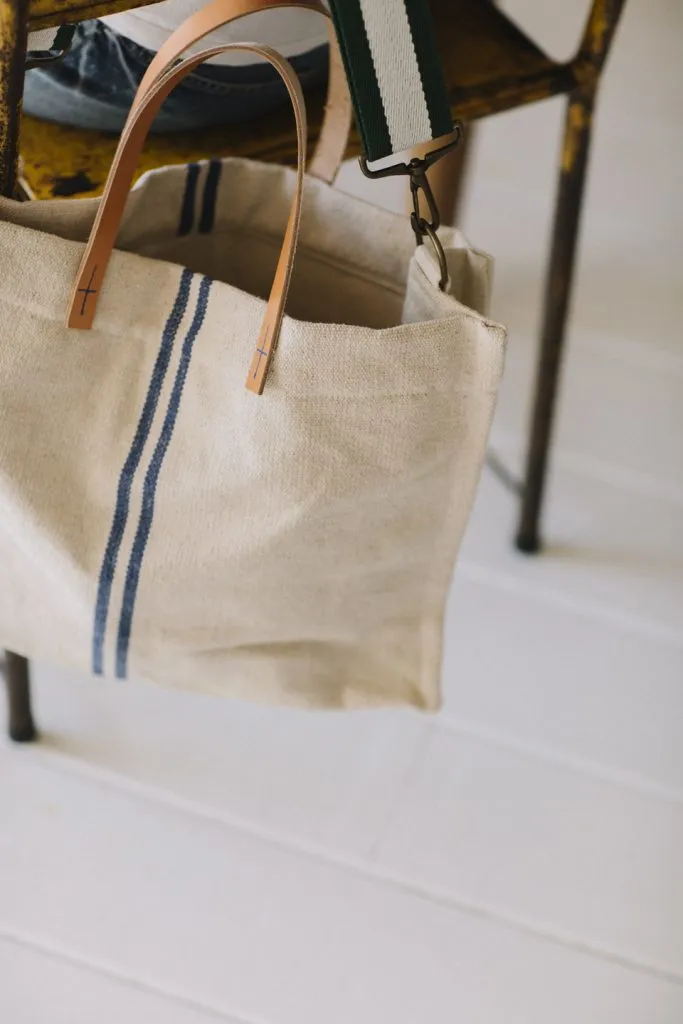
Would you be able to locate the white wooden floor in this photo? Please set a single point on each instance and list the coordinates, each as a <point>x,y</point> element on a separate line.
<point>169,859</point>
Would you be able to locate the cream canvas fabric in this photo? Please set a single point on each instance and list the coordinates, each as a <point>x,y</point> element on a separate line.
<point>158,521</point>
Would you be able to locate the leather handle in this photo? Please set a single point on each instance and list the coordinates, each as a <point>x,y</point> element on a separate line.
<point>334,132</point>
<point>93,267</point>
<point>160,78</point>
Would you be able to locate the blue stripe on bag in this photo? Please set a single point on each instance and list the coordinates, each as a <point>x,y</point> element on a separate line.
<point>130,466</point>
<point>208,213</point>
<point>187,208</point>
<point>151,480</point>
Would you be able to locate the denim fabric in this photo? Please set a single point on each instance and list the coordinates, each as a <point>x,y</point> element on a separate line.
<point>94,85</point>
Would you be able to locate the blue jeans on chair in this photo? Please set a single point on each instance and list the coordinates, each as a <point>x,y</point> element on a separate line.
<point>94,84</point>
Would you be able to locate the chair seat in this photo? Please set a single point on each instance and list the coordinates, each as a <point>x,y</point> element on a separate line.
<point>47,13</point>
<point>490,66</point>
<point>489,63</point>
<point>60,161</point>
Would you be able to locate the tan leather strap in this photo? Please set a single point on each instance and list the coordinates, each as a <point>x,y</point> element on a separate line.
<point>98,250</point>
<point>334,132</point>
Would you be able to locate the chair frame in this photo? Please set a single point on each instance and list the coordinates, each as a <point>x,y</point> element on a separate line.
<point>579,78</point>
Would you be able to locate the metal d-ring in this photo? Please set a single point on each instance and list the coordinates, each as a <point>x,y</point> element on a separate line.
<point>426,230</point>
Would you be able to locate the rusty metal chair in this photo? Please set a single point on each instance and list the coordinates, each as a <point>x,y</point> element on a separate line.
<point>490,65</point>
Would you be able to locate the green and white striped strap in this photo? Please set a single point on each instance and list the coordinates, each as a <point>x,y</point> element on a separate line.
<point>394,73</point>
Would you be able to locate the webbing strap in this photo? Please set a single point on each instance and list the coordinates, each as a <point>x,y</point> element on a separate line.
<point>394,72</point>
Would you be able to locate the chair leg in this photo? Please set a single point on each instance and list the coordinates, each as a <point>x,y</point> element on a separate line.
<point>20,718</point>
<point>575,151</point>
<point>13,28</point>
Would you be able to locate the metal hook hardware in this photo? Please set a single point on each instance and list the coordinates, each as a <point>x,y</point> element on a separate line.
<point>416,169</point>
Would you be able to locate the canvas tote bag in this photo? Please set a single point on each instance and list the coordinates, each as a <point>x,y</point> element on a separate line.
<point>158,520</point>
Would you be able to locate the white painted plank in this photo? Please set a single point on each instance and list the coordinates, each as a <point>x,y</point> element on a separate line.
<point>39,988</point>
<point>620,413</point>
<point>615,554</point>
<point>250,929</point>
<point>317,777</point>
<point>545,845</point>
<point>566,685</point>
<point>612,704</point>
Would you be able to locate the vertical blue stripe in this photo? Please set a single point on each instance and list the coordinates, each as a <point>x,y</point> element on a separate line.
<point>187,208</point>
<point>151,480</point>
<point>208,213</point>
<point>130,466</point>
